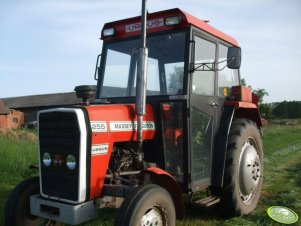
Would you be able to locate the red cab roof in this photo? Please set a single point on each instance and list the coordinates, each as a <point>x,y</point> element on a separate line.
<point>155,22</point>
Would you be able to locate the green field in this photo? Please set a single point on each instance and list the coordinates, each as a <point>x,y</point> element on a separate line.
<point>282,179</point>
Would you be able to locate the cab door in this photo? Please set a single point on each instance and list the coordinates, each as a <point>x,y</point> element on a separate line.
<point>203,105</point>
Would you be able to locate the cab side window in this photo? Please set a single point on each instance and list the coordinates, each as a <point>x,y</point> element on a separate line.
<point>226,77</point>
<point>203,78</point>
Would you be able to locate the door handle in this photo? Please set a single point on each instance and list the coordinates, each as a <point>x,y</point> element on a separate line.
<point>213,104</point>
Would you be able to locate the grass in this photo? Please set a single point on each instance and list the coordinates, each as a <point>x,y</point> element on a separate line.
<point>282,179</point>
<point>17,151</point>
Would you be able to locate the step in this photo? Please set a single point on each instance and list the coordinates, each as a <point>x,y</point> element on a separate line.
<point>206,202</point>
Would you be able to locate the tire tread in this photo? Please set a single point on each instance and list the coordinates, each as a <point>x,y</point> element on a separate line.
<point>230,202</point>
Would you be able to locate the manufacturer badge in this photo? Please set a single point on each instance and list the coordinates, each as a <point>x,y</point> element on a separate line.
<point>117,126</point>
<point>100,149</point>
<point>149,24</point>
<point>57,160</point>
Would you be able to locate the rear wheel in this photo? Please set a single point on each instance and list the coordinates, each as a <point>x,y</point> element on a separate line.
<point>148,205</point>
<point>243,170</point>
<point>17,209</point>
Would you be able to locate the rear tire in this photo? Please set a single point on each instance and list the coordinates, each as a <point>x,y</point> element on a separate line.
<point>147,205</point>
<point>243,170</point>
<point>17,208</point>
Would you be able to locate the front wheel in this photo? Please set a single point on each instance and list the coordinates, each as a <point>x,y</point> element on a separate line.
<point>244,169</point>
<point>17,208</point>
<point>147,205</point>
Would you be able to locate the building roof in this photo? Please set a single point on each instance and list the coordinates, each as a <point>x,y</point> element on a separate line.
<point>4,110</point>
<point>44,100</point>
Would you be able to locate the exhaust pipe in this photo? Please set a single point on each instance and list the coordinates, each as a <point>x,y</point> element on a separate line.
<point>141,76</point>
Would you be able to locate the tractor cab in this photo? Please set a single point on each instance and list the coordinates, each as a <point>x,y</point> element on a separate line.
<point>189,78</point>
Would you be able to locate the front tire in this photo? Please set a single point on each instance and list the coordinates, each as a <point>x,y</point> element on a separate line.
<point>244,169</point>
<point>147,205</point>
<point>17,208</point>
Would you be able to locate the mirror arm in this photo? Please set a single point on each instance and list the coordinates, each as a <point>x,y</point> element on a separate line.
<point>206,67</point>
<point>233,58</point>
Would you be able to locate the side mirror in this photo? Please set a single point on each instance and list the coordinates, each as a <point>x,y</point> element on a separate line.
<point>234,57</point>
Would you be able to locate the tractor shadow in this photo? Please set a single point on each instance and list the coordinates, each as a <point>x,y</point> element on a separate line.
<point>196,215</point>
<point>294,173</point>
<point>204,213</point>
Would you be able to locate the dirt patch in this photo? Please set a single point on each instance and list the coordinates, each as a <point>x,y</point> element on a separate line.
<point>18,134</point>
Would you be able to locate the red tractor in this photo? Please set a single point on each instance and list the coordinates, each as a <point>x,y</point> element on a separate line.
<point>169,118</point>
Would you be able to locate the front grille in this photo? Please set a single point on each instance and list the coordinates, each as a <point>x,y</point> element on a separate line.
<point>59,135</point>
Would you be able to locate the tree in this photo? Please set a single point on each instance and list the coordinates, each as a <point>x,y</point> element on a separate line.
<point>288,110</point>
<point>243,82</point>
<point>266,110</point>
<point>260,93</point>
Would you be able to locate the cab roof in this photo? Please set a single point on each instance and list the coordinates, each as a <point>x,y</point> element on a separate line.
<point>156,22</point>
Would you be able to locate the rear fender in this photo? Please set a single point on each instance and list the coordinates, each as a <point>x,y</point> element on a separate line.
<point>246,110</point>
<point>232,110</point>
<point>249,113</point>
<point>245,103</point>
<point>220,147</point>
<point>165,180</point>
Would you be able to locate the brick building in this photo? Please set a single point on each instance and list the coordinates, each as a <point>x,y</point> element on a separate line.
<point>10,118</point>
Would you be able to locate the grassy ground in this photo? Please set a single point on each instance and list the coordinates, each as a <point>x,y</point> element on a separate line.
<point>282,179</point>
<point>18,149</point>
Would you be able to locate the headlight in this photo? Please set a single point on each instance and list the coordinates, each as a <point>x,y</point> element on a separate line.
<point>108,32</point>
<point>46,159</point>
<point>174,20</point>
<point>71,162</point>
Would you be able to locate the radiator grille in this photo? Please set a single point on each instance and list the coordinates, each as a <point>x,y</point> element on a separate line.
<point>59,135</point>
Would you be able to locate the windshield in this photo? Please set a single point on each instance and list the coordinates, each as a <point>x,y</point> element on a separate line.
<point>165,66</point>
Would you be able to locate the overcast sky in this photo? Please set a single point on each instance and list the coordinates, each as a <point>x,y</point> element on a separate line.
<point>51,45</point>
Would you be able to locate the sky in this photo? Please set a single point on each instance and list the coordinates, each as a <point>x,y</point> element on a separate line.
<point>51,46</point>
